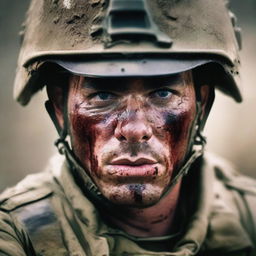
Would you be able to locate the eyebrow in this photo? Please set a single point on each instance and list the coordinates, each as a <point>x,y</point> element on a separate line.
<point>123,83</point>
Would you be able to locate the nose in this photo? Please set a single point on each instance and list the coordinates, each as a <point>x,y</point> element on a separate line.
<point>133,128</point>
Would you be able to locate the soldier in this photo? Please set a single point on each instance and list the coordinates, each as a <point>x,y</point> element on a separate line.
<point>130,86</point>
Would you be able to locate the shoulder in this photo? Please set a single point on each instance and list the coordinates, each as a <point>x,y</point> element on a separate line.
<point>27,213</point>
<point>227,173</point>
<point>234,192</point>
<point>14,239</point>
<point>32,188</point>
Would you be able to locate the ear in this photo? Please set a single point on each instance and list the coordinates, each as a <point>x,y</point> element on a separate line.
<point>56,97</point>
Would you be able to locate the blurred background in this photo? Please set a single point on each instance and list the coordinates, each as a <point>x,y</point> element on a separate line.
<point>27,134</point>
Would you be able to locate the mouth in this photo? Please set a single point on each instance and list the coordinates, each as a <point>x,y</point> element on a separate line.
<point>140,167</point>
<point>133,162</point>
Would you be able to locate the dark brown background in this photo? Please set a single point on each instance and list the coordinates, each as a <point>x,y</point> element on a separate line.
<point>27,135</point>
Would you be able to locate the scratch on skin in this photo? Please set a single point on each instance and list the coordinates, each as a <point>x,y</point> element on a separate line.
<point>67,4</point>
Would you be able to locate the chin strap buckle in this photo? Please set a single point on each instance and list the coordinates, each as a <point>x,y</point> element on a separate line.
<point>59,143</point>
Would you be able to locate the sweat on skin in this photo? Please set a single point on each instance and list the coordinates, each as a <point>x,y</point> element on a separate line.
<point>131,135</point>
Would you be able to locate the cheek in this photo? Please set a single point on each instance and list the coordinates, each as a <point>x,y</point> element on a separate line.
<point>178,127</point>
<point>172,128</point>
<point>83,138</point>
<point>88,134</point>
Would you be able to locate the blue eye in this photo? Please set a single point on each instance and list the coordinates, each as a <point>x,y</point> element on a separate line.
<point>163,93</point>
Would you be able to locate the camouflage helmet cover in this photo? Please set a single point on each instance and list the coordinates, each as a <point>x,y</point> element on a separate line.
<point>127,38</point>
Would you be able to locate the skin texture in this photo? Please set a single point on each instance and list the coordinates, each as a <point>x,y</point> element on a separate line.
<point>131,135</point>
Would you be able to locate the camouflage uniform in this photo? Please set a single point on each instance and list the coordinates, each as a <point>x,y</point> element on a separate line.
<point>48,214</point>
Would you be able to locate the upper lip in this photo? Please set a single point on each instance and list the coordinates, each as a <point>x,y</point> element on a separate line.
<point>137,161</point>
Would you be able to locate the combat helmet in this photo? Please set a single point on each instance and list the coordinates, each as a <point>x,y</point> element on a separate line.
<point>104,38</point>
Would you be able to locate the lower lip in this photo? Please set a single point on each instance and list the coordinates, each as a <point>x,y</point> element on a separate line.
<point>144,170</point>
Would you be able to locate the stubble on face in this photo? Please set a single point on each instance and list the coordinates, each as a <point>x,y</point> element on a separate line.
<point>131,135</point>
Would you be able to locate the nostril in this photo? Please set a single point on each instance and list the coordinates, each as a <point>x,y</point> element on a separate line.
<point>145,137</point>
<point>122,138</point>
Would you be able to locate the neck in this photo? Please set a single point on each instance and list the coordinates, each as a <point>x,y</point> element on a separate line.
<point>153,221</point>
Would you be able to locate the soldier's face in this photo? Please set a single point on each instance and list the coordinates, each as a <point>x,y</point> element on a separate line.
<point>131,134</point>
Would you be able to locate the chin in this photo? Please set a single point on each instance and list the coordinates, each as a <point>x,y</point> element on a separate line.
<point>133,195</point>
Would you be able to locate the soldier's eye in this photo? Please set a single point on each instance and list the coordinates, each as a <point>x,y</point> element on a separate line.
<point>163,93</point>
<point>104,96</point>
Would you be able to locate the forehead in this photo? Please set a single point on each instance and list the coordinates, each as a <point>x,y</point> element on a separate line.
<point>129,83</point>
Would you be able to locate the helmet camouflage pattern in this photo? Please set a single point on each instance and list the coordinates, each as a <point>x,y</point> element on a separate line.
<point>111,38</point>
